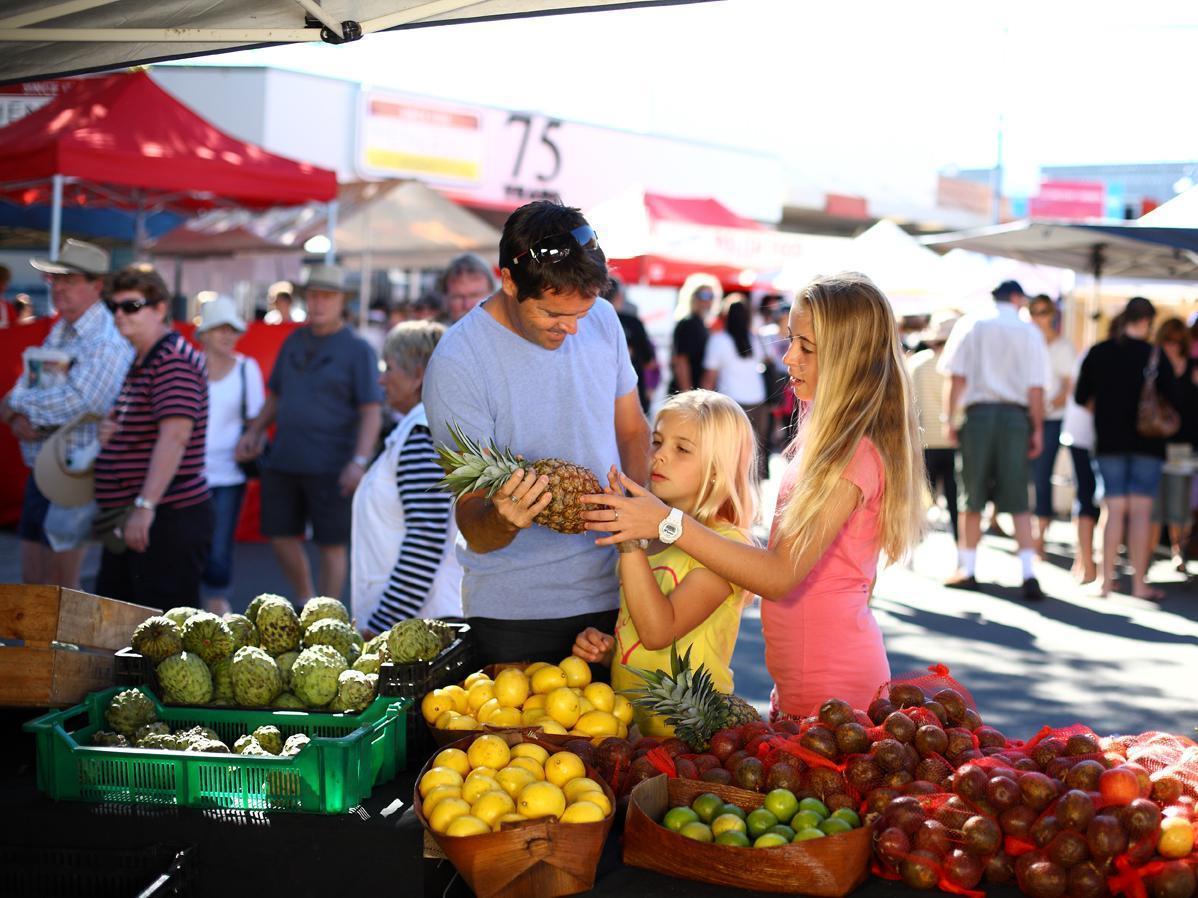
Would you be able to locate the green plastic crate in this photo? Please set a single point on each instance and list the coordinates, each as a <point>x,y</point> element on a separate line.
<point>348,755</point>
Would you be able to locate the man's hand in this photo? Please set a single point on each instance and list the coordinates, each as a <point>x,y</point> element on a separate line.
<point>106,430</point>
<point>351,476</point>
<point>137,529</point>
<point>593,646</point>
<point>22,429</point>
<point>1036,444</point>
<point>250,446</point>
<point>950,434</point>
<point>522,498</point>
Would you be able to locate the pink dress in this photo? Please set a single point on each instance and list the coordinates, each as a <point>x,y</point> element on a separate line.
<point>822,640</point>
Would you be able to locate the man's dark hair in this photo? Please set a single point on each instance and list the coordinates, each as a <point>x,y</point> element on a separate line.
<point>142,278</point>
<point>1138,309</point>
<point>736,325</point>
<point>613,289</point>
<point>582,271</point>
<point>1004,291</point>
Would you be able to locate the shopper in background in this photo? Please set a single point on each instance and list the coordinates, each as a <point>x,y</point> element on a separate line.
<point>428,307</point>
<point>690,333</point>
<point>235,396</point>
<point>1172,507</point>
<point>733,364</point>
<point>640,348</point>
<point>1062,361</point>
<point>281,307</point>
<point>929,387</point>
<point>467,281</point>
<point>1077,434</point>
<point>150,470</point>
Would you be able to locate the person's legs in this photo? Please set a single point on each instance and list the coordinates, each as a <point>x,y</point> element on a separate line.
<point>168,572</point>
<point>289,552</point>
<point>1115,508</point>
<point>950,491</point>
<point>1042,467</point>
<point>67,566</point>
<point>331,514</point>
<point>1144,485</point>
<point>1012,474</point>
<point>37,558</point>
<point>334,565</point>
<point>1085,513</point>
<point>283,515</point>
<point>977,454</point>
<point>35,562</point>
<point>218,567</point>
<point>113,580</point>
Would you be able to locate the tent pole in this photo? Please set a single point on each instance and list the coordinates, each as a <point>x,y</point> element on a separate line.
<point>55,216</point>
<point>139,226</point>
<point>330,256</point>
<point>364,287</point>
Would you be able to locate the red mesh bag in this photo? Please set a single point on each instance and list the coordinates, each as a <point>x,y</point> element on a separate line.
<point>1171,762</point>
<point>929,682</point>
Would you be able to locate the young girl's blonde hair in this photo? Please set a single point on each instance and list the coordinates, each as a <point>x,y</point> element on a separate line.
<point>727,456</point>
<point>862,390</point>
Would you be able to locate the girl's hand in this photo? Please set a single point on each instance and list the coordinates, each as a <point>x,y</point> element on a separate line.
<point>637,515</point>
<point>593,646</point>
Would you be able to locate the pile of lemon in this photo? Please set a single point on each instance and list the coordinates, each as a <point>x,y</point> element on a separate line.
<point>557,698</point>
<point>468,793</point>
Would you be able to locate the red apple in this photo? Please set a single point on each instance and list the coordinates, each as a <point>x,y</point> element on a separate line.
<point>1119,786</point>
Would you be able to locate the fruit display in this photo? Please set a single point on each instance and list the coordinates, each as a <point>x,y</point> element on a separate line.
<point>782,819</point>
<point>469,466</point>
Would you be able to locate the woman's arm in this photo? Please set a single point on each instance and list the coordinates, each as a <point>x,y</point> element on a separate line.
<point>173,435</point>
<point>661,619</point>
<point>707,382</point>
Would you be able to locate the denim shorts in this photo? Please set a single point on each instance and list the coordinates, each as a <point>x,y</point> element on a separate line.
<point>1130,475</point>
<point>34,506</point>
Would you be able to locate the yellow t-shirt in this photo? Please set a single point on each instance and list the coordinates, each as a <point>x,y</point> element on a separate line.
<point>711,642</point>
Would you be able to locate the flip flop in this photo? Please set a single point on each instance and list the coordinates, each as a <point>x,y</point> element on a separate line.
<point>1152,595</point>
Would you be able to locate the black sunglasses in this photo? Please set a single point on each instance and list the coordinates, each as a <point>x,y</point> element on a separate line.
<point>553,249</point>
<point>129,306</point>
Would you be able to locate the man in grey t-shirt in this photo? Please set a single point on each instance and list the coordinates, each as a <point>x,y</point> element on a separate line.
<point>541,367</point>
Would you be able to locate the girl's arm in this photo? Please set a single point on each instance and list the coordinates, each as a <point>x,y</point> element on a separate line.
<point>771,573</point>
<point>661,619</point>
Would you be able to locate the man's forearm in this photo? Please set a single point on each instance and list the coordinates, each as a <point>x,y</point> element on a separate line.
<point>634,455</point>
<point>266,417</point>
<point>370,422</point>
<point>682,373</point>
<point>1035,405</point>
<point>956,390</point>
<point>483,528</point>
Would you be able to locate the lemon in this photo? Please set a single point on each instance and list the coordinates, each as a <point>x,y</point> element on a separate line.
<point>474,678</point>
<point>454,759</point>
<point>529,764</point>
<point>481,771</point>
<point>623,710</point>
<point>446,812</point>
<point>492,805</point>
<point>466,825</point>
<point>584,705</point>
<point>439,776</point>
<point>563,706</point>
<point>507,818</point>
<point>534,701</point>
<point>513,779</point>
<point>534,667</point>
<point>622,731</point>
<point>549,725</point>
<point>539,799</point>
<point>596,797</point>
<point>582,812</point>
<point>532,717</point>
<point>548,678</point>
<point>458,696</point>
<point>479,694</point>
<point>597,723</point>
<point>488,751</point>
<point>530,750</point>
<point>562,767</point>
<point>442,722</point>
<point>476,786</point>
<point>511,687</point>
<point>435,703</point>
<point>577,671</point>
<point>439,794</point>
<point>461,722</point>
<point>601,696</point>
<point>505,717</point>
<point>578,785</point>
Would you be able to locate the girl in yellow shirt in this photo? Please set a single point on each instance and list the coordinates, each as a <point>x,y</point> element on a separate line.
<point>703,464</point>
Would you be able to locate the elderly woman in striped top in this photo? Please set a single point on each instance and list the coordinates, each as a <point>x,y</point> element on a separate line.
<point>402,540</point>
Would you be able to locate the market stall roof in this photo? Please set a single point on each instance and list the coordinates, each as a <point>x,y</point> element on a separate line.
<point>122,132</point>
<point>42,40</point>
<point>1179,212</point>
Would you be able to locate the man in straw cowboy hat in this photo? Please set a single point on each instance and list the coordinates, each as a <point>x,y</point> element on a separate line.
<point>324,398</point>
<point>78,369</point>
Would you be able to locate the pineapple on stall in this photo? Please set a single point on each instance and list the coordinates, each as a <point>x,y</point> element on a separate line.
<point>689,702</point>
<point>472,466</point>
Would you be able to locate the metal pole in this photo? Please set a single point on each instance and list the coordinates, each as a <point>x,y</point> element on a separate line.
<point>367,274</point>
<point>55,216</point>
<point>139,226</point>
<point>330,256</point>
<point>996,178</point>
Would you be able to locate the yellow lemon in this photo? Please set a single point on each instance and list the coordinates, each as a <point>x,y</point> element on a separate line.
<point>439,776</point>
<point>454,759</point>
<point>488,708</point>
<point>532,717</point>
<point>534,667</point>
<point>529,764</point>
<point>539,799</point>
<point>601,696</point>
<point>513,779</point>
<point>597,723</point>
<point>562,767</point>
<point>596,798</point>
<point>488,751</point>
<point>492,805</point>
<point>530,750</point>
<point>534,701</point>
<point>479,694</point>
<point>437,795</point>
<point>476,786</point>
<point>446,812</point>
<point>507,818</point>
<point>442,722</point>
<point>549,725</point>
<point>582,812</point>
<point>461,722</point>
<point>505,717</point>
<point>466,825</point>
<point>481,771</point>
<point>577,786</point>
<point>622,708</point>
<point>547,679</point>
<point>458,696</point>
<point>577,671</point>
<point>563,706</point>
<point>474,678</point>
<point>434,704</point>
<point>511,687</point>
<point>584,705</point>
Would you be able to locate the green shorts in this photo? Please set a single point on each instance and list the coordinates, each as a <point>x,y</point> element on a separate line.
<point>994,464</point>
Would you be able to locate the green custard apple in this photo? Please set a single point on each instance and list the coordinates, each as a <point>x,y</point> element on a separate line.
<point>208,636</point>
<point>354,692</point>
<point>109,739</point>
<point>338,634</point>
<point>180,614</point>
<point>285,661</point>
<point>256,677</point>
<point>279,628</point>
<point>210,746</point>
<point>128,710</point>
<point>295,744</point>
<point>158,728</point>
<point>322,608</point>
<point>413,640</point>
<point>243,630</point>
<point>222,680</point>
<point>367,664</point>
<point>314,675</point>
<point>157,638</point>
<point>288,701</point>
<point>185,680</point>
<point>269,738</point>
<point>252,611</point>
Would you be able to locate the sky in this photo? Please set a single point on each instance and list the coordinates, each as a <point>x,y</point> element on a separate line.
<point>860,97</point>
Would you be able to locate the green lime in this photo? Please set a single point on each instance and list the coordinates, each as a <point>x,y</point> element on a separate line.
<point>781,803</point>
<point>733,809</point>
<point>707,806</point>
<point>700,832</point>
<point>770,840</point>
<point>848,815</point>
<point>815,806</point>
<point>760,821</point>
<point>805,820</point>
<point>810,833</point>
<point>732,837</point>
<point>676,818</point>
<point>834,825</point>
<point>783,830</point>
<point>728,823</point>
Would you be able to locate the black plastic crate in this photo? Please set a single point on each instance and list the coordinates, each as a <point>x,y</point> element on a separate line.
<point>156,871</point>
<point>414,680</point>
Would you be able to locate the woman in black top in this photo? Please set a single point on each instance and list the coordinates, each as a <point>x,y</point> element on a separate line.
<point>1172,506</point>
<point>1110,382</point>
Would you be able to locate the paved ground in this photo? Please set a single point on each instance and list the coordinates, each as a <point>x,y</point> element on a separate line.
<point>1118,664</point>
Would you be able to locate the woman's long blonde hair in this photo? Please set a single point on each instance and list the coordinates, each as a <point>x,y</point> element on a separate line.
<point>862,390</point>
<point>727,456</point>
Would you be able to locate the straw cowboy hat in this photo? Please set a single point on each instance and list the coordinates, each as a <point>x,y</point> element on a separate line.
<point>218,312</point>
<point>76,257</point>
<point>325,277</point>
<point>54,477</point>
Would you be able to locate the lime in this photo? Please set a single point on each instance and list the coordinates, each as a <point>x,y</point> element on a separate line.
<point>676,818</point>
<point>732,837</point>
<point>700,832</point>
<point>781,803</point>
<point>834,825</point>
<point>733,809</point>
<point>783,830</point>
<point>805,820</point>
<point>707,806</point>
<point>848,815</point>
<point>728,823</point>
<point>760,821</point>
<point>810,833</point>
<point>770,840</point>
<point>815,806</point>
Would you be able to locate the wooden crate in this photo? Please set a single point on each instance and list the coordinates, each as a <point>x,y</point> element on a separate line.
<point>57,645</point>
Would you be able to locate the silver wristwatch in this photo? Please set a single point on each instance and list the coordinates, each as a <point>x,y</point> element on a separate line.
<point>671,528</point>
<point>141,502</point>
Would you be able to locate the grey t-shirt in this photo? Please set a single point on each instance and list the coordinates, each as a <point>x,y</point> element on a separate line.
<point>320,383</point>
<point>542,404</point>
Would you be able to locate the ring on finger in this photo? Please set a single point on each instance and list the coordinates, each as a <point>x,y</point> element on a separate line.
<point>616,515</point>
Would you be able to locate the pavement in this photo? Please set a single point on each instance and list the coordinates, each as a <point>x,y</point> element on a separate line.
<point>1118,664</point>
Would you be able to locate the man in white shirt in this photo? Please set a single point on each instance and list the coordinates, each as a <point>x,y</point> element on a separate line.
<point>997,362</point>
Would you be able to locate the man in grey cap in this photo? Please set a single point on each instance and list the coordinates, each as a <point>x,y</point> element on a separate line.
<point>96,358</point>
<point>325,399</point>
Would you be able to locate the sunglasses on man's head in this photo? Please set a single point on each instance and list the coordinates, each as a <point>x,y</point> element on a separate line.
<point>553,249</point>
<point>128,306</point>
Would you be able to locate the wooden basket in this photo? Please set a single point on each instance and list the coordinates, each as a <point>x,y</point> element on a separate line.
<point>57,645</point>
<point>533,859</point>
<point>831,867</point>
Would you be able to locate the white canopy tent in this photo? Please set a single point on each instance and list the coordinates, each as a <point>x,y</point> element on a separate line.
<point>1179,212</point>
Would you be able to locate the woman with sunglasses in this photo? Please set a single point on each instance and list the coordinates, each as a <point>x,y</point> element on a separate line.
<point>151,467</point>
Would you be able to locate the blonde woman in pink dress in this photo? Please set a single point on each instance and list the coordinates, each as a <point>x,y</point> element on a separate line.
<point>853,492</point>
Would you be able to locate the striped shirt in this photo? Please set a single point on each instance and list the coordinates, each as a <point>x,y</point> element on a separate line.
<point>928,384</point>
<point>426,514</point>
<point>172,381</point>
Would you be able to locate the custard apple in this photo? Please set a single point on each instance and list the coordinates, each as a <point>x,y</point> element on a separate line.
<point>222,680</point>
<point>198,732</point>
<point>295,744</point>
<point>413,640</point>
<point>288,701</point>
<point>368,664</point>
<point>314,675</point>
<point>157,728</point>
<point>444,632</point>
<point>322,608</point>
<point>354,692</point>
<point>279,628</point>
<point>256,678</point>
<point>269,738</point>
<point>338,634</point>
<point>252,611</point>
<point>109,739</point>
<point>248,745</point>
<point>185,680</point>
<point>128,710</point>
<point>285,661</point>
<point>163,742</point>
<point>243,630</point>
<point>212,746</point>
<point>180,614</point>
<point>157,638</point>
<point>208,636</point>
<point>375,643</point>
